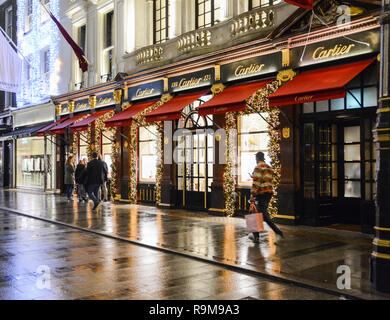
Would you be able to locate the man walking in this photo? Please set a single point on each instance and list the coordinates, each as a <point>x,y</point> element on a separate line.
<point>104,185</point>
<point>261,193</point>
<point>95,178</point>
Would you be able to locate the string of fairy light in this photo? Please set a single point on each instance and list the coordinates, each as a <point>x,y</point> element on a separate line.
<point>43,35</point>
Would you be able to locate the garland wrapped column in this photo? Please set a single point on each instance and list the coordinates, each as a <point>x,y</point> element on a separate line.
<point>160,161</point>
<point>133,164</point>
<point>229,174</point>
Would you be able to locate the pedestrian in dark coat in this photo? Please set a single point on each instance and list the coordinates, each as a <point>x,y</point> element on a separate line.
<point>80,176</point>
<point>69,180</point>
<point>104,188</point>
<point>95,179</point>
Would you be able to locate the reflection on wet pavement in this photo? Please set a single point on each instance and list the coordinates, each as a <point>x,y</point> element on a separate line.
<point>80,265</point>
<point>310,255</point>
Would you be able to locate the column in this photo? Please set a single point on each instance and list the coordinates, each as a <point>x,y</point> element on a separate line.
<point>380,259</point>
<point>217,201</point>
<point>129,25</point>
<point>169,192</point>
<point>175,18</point>
<point>119,31</point>
<point>92,37</point>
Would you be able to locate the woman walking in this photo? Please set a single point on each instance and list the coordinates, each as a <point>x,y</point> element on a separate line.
<point>69,177</point>
<point>80,176</point>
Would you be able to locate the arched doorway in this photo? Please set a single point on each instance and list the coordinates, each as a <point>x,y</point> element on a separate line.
<point>195,159</point>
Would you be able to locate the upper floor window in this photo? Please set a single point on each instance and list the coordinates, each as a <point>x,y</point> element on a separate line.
<point>108,47</point>
<point>207,13</point>
<point>160,21</point>
<point>28,17</point>
<point>81,37</point>
<point>28,68</point>
<point>46,62</point>
<point>44,14</point>
<point>8,21</point>
<point>81,40</point>
<point>108,28</point>
<point>253,4</point>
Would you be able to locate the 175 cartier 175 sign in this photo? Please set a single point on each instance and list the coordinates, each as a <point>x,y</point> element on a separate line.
<point>193,80</point>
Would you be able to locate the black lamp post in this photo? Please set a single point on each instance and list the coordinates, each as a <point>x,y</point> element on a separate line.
<point>380,260</point>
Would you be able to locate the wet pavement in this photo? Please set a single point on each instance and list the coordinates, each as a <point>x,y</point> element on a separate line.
<point>40,260</point>
<point>309,256</point>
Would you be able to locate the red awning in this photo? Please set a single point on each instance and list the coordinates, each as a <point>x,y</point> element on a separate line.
<point>316,85</point>
<point>172,109</point>
<point>83,124</point>
<point>231,99</point>
<point>124,117</point>
<point>60,128</point>
<point>42,131</point>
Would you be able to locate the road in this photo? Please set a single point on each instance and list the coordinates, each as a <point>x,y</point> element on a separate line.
<point>42,260</point>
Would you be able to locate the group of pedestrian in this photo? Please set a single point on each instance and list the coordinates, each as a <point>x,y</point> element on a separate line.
<point>90,177</point>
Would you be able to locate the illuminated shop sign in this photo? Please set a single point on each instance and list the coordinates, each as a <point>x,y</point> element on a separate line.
<point>193,80</point>
<point>105,100</point>
<point>81,105</point>
<point>335,49</point>
<point>147,90</point>
<point>251,67</point>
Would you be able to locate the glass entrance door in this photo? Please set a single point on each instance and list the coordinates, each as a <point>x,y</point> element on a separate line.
<point>351,170</point>
<point>195,168</point>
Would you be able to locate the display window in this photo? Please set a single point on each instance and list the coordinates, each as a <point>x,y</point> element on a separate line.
<point>148,153</point>
<point>30,163</point>
<point>83,148</point>
<point>107,137</point>
<point>253,136</point>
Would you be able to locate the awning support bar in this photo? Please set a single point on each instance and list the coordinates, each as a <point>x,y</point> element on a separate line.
<point>349,91</point>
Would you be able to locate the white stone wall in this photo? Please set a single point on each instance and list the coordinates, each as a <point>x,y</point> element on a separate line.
<point>133,30</point>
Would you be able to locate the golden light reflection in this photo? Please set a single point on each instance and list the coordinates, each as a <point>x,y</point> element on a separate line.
<point>229,243</point>
<point>160,229</point>
<point>89,217</point>
<point>114,215</point>
<point>133,222</point>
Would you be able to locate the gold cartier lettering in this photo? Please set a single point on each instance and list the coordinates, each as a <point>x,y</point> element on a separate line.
<point>243,71</point>
<point>184,83</point>
<point>104,101</point>
<point>338,49</point>
<point>144,92</point>
<point>303,98</point>
<point>81,106</point>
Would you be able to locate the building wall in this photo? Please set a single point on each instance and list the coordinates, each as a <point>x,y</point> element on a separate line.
<point>4,6</point>
<point>133,33</point>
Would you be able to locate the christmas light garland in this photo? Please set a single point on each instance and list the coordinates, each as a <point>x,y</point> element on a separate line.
<point>257,103</point>
<point>139,121</point>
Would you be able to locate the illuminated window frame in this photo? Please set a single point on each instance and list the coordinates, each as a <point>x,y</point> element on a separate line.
<point>241,132</point>
<point>160,24</point>
<point>201,13</point>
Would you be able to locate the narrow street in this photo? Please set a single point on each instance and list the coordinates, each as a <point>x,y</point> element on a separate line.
<point>183,255</point>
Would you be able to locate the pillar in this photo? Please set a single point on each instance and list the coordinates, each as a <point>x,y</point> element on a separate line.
<point>380,259</point>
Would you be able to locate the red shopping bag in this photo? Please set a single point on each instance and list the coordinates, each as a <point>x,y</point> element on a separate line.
<point>254,220</point>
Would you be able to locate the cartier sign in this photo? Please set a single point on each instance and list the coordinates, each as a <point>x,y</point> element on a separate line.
<point>193,80</point>
<point>105,100</point>
<point>147,90</point>
<point>335,49</point>
<point>251,67</point>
